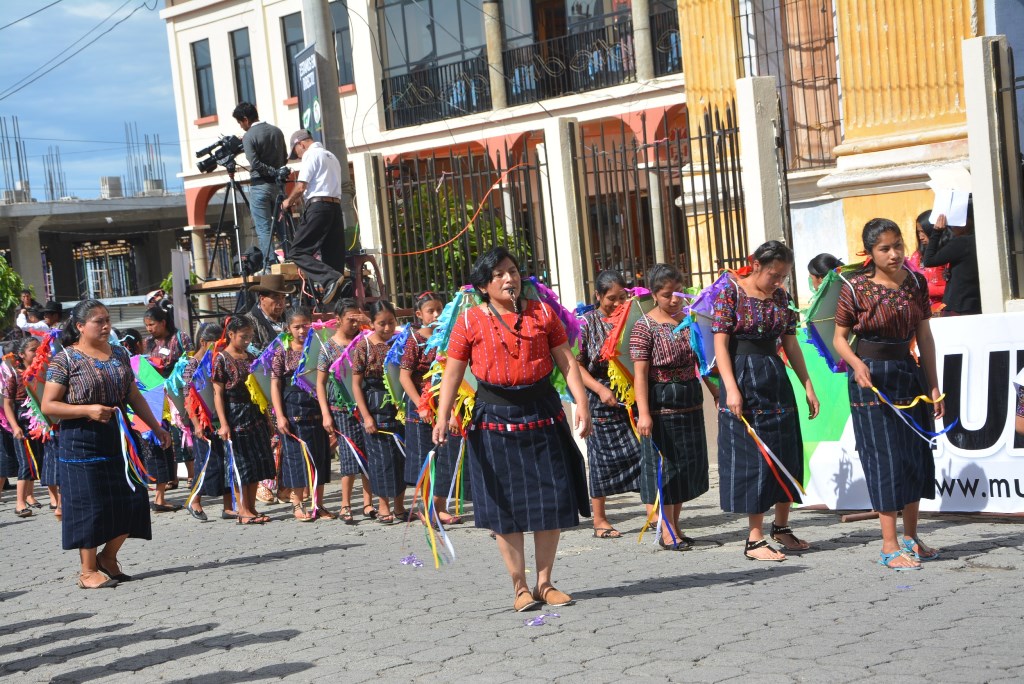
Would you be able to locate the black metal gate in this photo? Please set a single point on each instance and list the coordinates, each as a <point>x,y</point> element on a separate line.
<point>677,199</point>
<point>1011,178</point>
<point>444,211</point>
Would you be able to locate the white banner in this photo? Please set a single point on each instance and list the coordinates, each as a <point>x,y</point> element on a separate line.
<point>979,463</point>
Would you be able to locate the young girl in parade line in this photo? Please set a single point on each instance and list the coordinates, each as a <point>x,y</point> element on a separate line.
<point>887,307</point>
<point>87,384</point>
<point>299,418</point>
<point>751,314</point>
<point>240,419</point>
<point>527,473</point>
<point>613,452</point>
<point>380,421</point>
<point>14,394</point>
<point>818,268</point>
<point>208,446</point>
<point>163,347</point>
<point>418,422</point>
<point>338,419</point>
<point>670,413</point>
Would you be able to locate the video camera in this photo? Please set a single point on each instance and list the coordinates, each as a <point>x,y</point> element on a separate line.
<point>222,152</point>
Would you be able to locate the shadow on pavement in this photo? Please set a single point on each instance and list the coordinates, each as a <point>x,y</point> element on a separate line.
<point>8,595</point>
<point>659,585</point>
<point>23,625</point>
<point>57,636</point>
<point>246,560</point>
<point>231,677</point>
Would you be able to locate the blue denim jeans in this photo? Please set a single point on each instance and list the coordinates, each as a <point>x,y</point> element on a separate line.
<point>261,206</point>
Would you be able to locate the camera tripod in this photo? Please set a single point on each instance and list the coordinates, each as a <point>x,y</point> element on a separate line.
<point>234,190</point>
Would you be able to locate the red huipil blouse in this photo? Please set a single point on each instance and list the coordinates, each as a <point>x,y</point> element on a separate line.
<point>500,356</point>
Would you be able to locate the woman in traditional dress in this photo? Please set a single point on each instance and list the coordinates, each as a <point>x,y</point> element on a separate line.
<point>416,361</point>
<point>670,408</point>
<point>87,384</point>
<point>752,314</point>
<point>299,420</point>
<point>527,473</point>
<point>209,449</point>
<point>244,430</point>
<point>28,451</point>
<point>382,431</point>
<point>818,268</point>
<point>613,452</point>
<point>162,347</point>
<point>887,306</point>
<point>337,411</point>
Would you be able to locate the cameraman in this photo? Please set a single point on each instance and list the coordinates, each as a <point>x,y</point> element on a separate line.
<point>264,148</point>
<point>319,183</point>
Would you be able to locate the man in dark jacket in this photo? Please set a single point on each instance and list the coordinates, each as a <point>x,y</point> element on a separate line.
<point>267,315</point>
<point>960,253</point>
<point>265,151</point>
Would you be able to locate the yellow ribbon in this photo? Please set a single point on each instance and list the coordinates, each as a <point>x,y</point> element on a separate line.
<point>914,402</point>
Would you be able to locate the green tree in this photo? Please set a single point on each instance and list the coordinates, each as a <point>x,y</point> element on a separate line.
<point>11,286</point>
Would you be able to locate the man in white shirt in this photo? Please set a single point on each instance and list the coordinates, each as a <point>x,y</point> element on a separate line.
<point>319,184</point>
<point>50,313</point>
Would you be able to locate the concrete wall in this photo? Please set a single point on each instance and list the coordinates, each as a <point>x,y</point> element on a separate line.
<point>817,227</point>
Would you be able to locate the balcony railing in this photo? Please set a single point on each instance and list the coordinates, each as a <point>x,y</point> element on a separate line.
<point>668,57</point>
<point>575,63</point>
<point>433,93</point>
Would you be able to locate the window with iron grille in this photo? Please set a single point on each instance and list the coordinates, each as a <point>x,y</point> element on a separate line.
<point>795,41</point>
<point>291,32</point>
<point>245,89</point>
<point>204,78</point>
<point>342,42</point>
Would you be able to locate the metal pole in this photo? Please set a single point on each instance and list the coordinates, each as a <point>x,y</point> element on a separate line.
<point>495,65</point>
<point>316,26</point>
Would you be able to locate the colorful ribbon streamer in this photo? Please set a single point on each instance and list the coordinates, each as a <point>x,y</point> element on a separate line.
<point>457,489</point>
<point>435,529</point>
<point>929,436</point>
<point>360,457</point>
<point>33,465</point>
<point>312,479</point>
<point>201,477</point>
<point>658,509</point>
<point>233,473</point>
<point>773,462</point>
<point>133,466</point>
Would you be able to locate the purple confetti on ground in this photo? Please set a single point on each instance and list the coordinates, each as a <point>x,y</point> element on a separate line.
<point>412,560</point>
<point>903,587</point>
<point>535,622</point>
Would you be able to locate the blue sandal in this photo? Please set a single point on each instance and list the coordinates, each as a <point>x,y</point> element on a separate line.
<point>887,558</point>
<point>908,546</point>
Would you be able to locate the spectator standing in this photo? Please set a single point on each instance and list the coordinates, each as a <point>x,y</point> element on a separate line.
<point>265,152</point>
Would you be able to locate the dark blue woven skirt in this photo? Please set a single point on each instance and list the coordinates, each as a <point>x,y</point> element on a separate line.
<point>419,440</point>
<point>678,433</point>
<point>97,502</point>
<point>49,477</point>
<point>8,455</point>
<point>159,461</point>
<point>387,462</point>
<point>527,480</point>
<point>346,424</point>
<point>250,439</point>
<point>613,452</point>
<point>746,482</point>
<point>182,452</point>
<point>214,481</point>
<point>898,465</point>
<point>306,422</point>
<point>28,464</point>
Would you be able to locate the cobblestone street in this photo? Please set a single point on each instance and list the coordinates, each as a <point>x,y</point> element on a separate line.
<point>215,602</point>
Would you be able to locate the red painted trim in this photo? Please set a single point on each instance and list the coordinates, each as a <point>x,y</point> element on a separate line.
<point>206,120</point>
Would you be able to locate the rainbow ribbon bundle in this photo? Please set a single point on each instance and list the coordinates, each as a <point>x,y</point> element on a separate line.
<point>658,509</point>
<point>134,470</point>
<point>197,485</point>
<point>312,479</point>
<point>360,457</point>
<point>33,464</point>
<point>457,490</point>
<point>233,474</point>
<point>437,537</point>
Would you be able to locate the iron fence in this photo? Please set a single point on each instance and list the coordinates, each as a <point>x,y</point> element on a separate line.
<point>795,41</point>
<point>675,199</point>
<point>436,92</point>
<point>1011,174</point>
<point>668,56</point>
<point>446,210</point>
<point>575,63</point>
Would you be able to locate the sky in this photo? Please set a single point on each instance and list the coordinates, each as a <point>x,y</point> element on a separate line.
<point>82,105</point>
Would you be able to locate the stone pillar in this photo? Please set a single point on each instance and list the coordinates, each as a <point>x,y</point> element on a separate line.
<point>657,212</point>
<point>26,251</point>
<point>643,44</point>
<point>758,116</point>
<point>374,224</point>
<point>986,141</point>
<point>568,236</point>
<point>495,59</point>
<point>200,261</point>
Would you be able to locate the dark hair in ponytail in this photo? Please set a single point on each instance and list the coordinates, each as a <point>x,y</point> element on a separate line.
<point>346,304</point>
<point>237,324</point>
<point>820,265</point>
<point>374,308</point>
<point>483,269</point>
<point>162,312</point>
<point>773,250</point>
<point>428,296</point>
<point>19,349</point>
<point>605,280</point>
<point>297,312</point>
<point>70,335</point>
<point>872,234</point>
<point>661,275</point>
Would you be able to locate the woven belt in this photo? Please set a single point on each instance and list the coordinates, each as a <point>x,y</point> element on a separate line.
<point>883,351</point>
<point>753,347</point>
<point>323,198</point>
<point>520,427</point>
